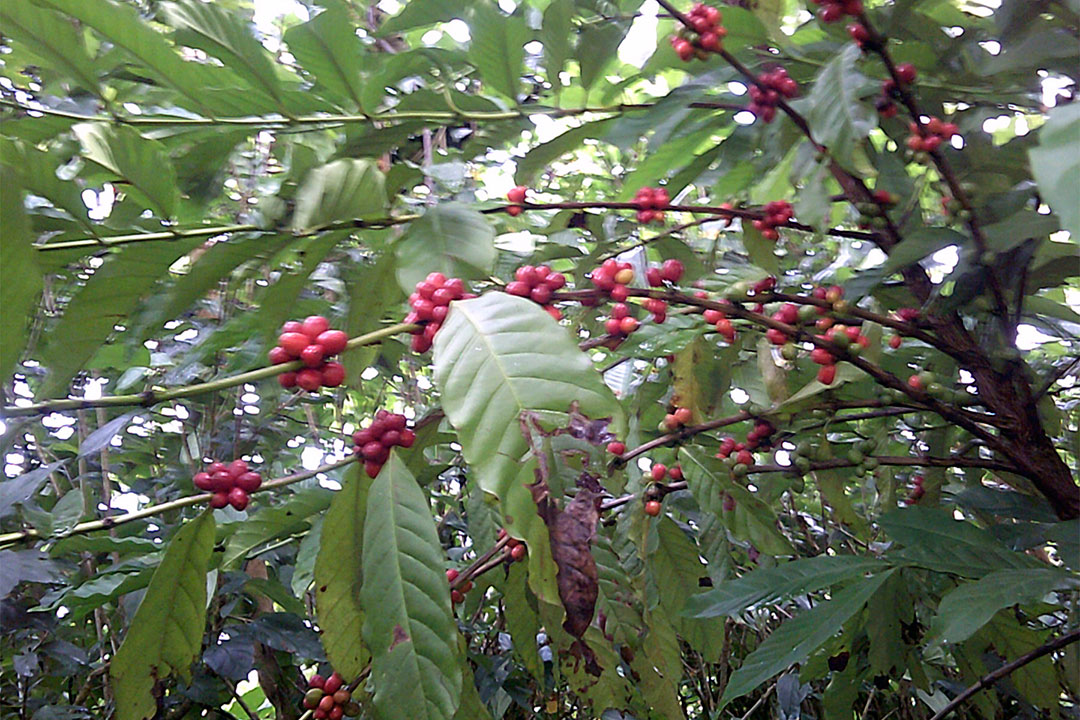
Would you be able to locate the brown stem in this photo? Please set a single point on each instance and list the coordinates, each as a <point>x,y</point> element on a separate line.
<point>1007,669</point>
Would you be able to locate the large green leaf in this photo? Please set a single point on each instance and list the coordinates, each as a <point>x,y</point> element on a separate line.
<point>408,624</point>
<point>498,47</point>
<point>521,619</point>
<point>557,34</point>
<point>37,171</point>
<point>933,539</point>
<point>20,279</point>
<point>339,575</point>
<point>793,641</point>
<point>767,585</point>
<point>51,37</point>
<point>542,155</point>
<point>498,356</point>
<point>970,606</point>
<point>450,238</point>
<point>328,48</point>
<point>372,290</point>
<point>420,13</point>
<point>225,35</point>
<point>123,27</point>
<point>675,566</point>
<point>341,190</point>
<point>166,633</point>
<point>139,161</point>
<point>1055,163</point>
<point>920,243</point>
<point>834,109</point>
<point>107,299</point>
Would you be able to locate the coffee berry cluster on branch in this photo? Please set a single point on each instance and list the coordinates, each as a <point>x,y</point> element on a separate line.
<point>430,302</point>
<point>705,35</point>
<point>538,284</point>
<point>767,90</point>
<point>834,10</point>
<point>329,699</point>
<point>231,484</point>
<point>312,342</point>
<point>651,203</point>
<point>373,443</point>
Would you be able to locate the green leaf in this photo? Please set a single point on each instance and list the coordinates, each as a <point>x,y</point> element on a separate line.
<point>833,108</point>
<point>123,26</point>
<point>542,155</point>
<point>51,37</point>
<point>166,633</point>
<point>498,356</point>
<point>227,36</point>
<point>450,238</point>
<point>409,626</point>
<point>597,48</point>
<point>108,298</point>
<point>967,608</point>
<point>339,575</point>
<point>37,172</point>
<point>675,565</point>
<point>1055,163</point>
<point>751,520</point>
<point>793,641</point>
<point>279,301</point>
<point>498,48</point>
<point>421,13</point>
<point>270,523</point>
<point>20,279</point>
<point>139,161</point>
<point>328,48</point>
<point>372,290</point>
<point>935,540</point>
<point>769,585</point>
<point>762,252</point>
<point>521,619</point>
<point>341,190</point>
<point>920,243</point>
<point>556,33</point>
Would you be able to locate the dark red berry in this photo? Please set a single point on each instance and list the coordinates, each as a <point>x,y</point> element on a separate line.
<point>332,341</point>
<point>315,325</point>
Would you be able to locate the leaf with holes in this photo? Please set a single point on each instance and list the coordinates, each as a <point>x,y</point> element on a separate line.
<point>339,575</point>
<point>408,623</point>
<point>166,633</point>
<point>141,162</point>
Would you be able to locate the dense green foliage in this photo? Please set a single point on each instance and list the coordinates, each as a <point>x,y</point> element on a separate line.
<point>181,178</point>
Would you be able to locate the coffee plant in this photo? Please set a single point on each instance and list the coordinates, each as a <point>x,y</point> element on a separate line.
<point>540,358</point>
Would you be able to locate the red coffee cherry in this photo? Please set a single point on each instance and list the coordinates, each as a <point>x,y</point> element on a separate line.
<point>309,379</point>
<point>202,481</point>
<point>238,498</point>
<point>518,553</point>
<point>317,681</point>
<point>219,500</point>
<point>293,343</point>
<point>514,210</point>
<point>517,194</point>
<point>287,380</point>
<point>279,355</point>
<point>314,326</point>
<point>906,72</point>
<point>616,448</point>
<point>333,374</point>
<point>312,356</point>
<point>333,683</point>
<point>249,481</point>
<point>672,270</point>
<point>652,508</point>
<point>451,575</point>
<point>658,471</point>
<point>332,341</point>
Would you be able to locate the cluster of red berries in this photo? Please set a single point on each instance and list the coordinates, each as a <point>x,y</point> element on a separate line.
<point>847,337</point>
<point>721,324</point>
<point>312,342</point>
<point>538,284</point>
<point>650,203</point>
<point>374,442</point>
<point>885,104</point>
<point>430,303</point>
<point>678,418</point>
<point>516,550</point>
<point>917,491</point>
<point>621,323</point>
<point>457,595</point>
<point>516,195</point>
<point>759,436</point>
<point>787,314</point>
<point>329,699</point>
<point>612,277</point>
<point>861,35</point>
<point>705,34</point>
<point>230,483</point>
<point>833,10</point>
<point>658,472</point>
<point>777,213</point>
<point>928,137</point>
<point>767,90</point>
<point>671,271</point>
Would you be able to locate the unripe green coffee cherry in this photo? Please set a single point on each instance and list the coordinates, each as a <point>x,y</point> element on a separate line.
<point>926,377</point>
<point>805,448</point>
<point>803,463</point>
<point>841,339</point>
<point>856,456</point>
<point>740,470</point>
<point>871,463</point>
<point>808,313</point>
<point>936,391</point>
<point>728,462</point>
<point>798,484</point>
<point>789,352</point>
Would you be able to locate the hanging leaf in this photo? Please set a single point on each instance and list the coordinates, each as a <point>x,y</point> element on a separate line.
<point>134,159</point>
<point>52,37</point>
<point>339,575</point>
<point>557,35</point>
<point>165,635</point>
<point>498,48</point>
<point>20,279</point>
<point>328,48</point>
<point>967,608</point>
<point>793,641</point>
<point>408,623</point>
<point>1055,163</point>
<point>342,190</point>
<point>834,107</point>
<point>450,238</point>
<point>108,298</point>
